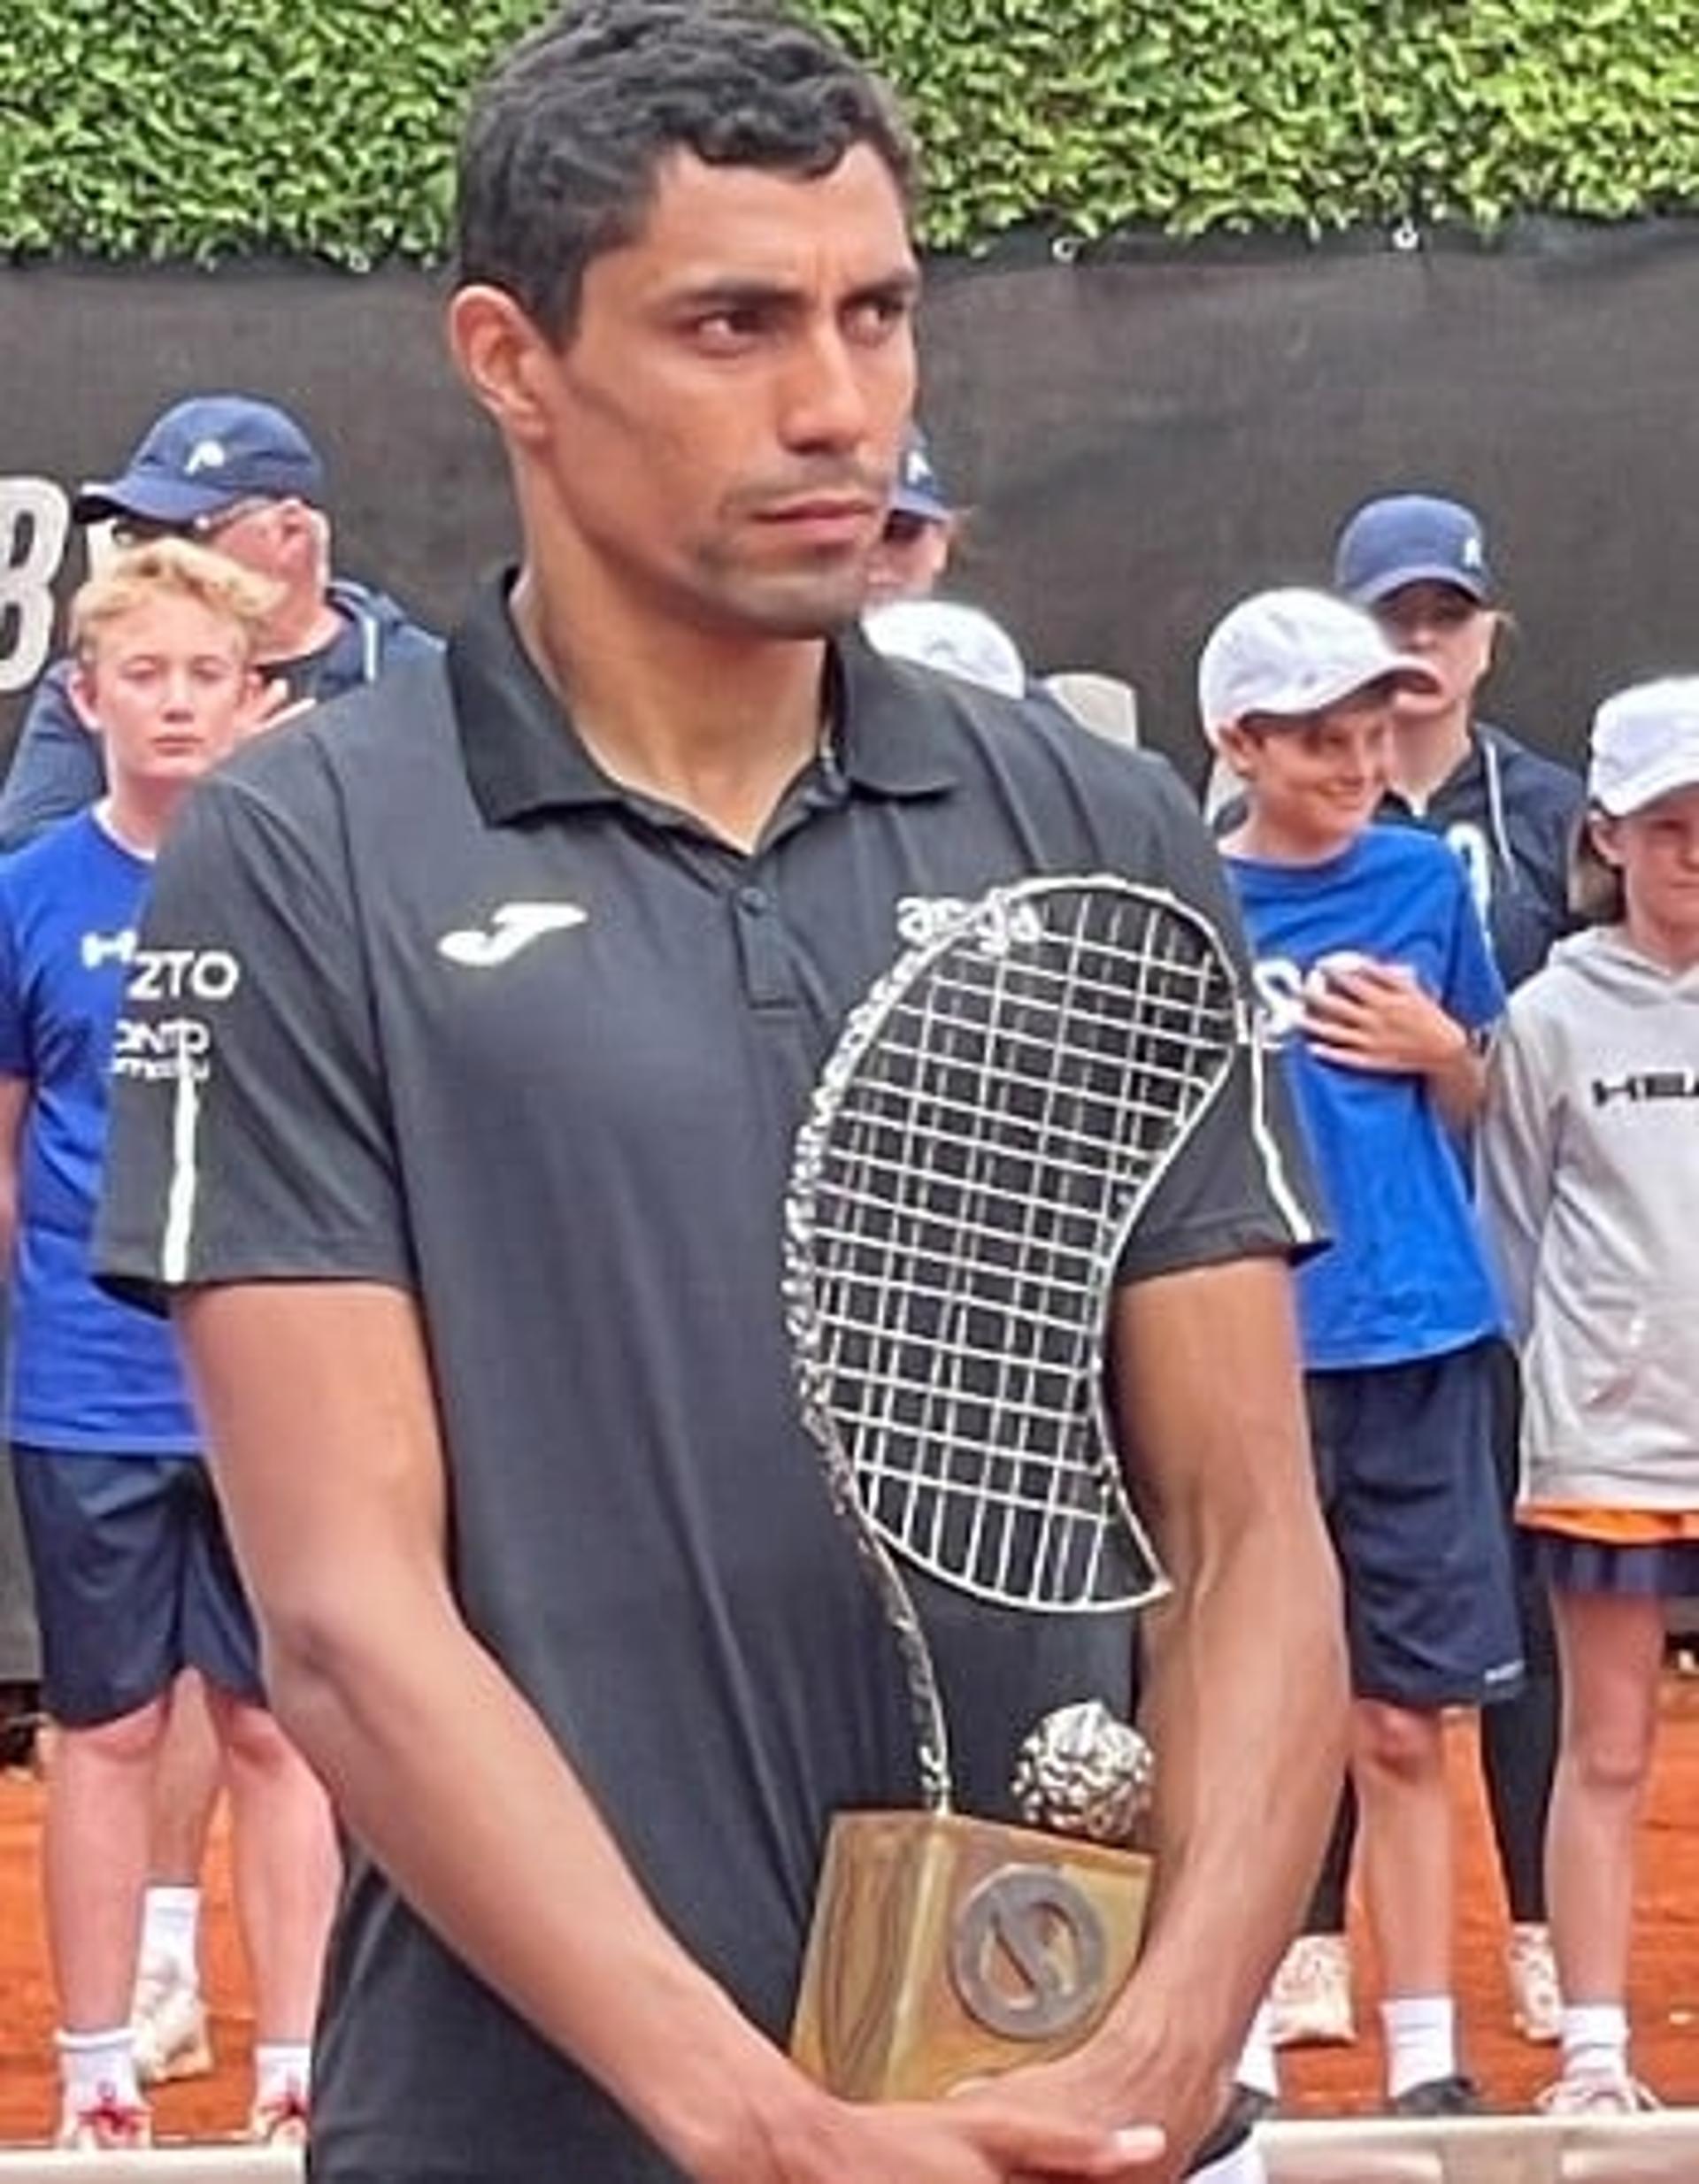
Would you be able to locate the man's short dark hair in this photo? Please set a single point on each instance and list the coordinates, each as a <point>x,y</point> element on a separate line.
<point>564,144</point>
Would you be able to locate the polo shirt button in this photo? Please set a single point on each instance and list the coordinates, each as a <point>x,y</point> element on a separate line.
<point>755,900</point>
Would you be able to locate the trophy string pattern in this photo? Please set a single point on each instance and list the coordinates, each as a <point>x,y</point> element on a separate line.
<point>991,1124</point>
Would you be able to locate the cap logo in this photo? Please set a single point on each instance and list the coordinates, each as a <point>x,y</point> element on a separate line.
<point>1473,555</point>
<point>206,455</point>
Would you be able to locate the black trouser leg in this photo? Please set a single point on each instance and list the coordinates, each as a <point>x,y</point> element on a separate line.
<point>1519,1754</point>
<point>1518,1740</point>
<point>1326,1913</point>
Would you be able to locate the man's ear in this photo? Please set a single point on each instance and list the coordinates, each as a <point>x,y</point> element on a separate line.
<point>80,687</point>
<point>504,357</point>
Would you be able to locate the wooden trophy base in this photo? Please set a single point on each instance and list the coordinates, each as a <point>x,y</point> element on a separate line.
<point>945,1948</point>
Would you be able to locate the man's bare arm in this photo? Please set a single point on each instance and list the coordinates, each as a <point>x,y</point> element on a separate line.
<point>322,1426</point>
<point>1245,1689</point>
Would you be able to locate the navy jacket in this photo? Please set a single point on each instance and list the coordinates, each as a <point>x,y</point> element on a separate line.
<point>1510,815</point>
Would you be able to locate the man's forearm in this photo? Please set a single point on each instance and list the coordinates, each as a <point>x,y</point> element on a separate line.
<point>497,1846</point>
<point>1245,1691</point>
<point>320,1417</point>
<point>1246,1708</point>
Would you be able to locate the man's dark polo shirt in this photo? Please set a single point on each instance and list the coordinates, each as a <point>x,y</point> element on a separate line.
<point>469,1019</point>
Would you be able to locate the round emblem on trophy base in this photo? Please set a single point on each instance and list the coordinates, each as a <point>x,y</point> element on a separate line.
<point>1028,1955</point>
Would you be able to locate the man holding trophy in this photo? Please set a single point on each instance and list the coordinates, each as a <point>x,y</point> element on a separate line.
<point>631,1473</point>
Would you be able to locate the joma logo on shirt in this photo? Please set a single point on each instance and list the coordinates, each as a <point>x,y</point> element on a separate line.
<point>513,927</point>
<point>1645,1086</point>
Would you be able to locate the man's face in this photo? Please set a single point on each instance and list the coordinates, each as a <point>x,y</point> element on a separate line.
<point>720,431</point>
<point>169,688</point>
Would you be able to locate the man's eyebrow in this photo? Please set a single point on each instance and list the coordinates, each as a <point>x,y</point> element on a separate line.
<point>745,292</point>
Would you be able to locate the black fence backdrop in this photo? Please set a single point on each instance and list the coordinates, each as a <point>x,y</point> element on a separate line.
<point>1143,437</point>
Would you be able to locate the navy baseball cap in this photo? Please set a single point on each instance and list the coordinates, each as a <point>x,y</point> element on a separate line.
<point>1412,538</point>
<point>918,491</point>
<point>205,454</point>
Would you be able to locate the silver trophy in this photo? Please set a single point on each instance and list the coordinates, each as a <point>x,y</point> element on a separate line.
<point>980,1145</point>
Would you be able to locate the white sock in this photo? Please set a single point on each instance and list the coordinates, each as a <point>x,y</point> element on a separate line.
<point>171,1932</point>
<point>1421,2041</point>
<point>1256,2067</point>
<point>281,2067</point>
<point>1595,2038</point>
<point>98,2066</point>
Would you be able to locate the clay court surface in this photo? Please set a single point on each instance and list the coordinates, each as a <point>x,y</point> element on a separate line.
<point>1666,1998</point>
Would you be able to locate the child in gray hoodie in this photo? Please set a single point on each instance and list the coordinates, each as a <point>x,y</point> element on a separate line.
<point>1589,1188</point>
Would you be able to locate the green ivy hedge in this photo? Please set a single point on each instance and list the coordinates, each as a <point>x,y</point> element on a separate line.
<point>177,129</point>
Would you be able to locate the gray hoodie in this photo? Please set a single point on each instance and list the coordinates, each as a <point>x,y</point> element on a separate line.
<point>1588,1159</point>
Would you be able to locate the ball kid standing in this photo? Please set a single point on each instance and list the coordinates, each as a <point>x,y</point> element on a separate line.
<point>1589,1160</point>
<point>1375,981</point>
<point>133,1577</point>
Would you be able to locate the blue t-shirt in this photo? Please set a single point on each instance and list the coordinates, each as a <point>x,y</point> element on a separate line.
<point>1406,1276</point>
<point>87,1374</point>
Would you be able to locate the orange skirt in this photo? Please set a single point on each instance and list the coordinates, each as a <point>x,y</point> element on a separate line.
<point>1612,1527</point>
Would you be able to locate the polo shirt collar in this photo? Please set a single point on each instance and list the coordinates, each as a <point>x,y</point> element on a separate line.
<point>522,753</point>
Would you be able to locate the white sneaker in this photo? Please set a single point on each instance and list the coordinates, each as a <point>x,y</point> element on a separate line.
<point>283,2119</point>
<point>1536,2005</point>
<point>168,2020</point>
<point>1596,2093</point>
<point>107,2125</point>
<point>1309,2003</point>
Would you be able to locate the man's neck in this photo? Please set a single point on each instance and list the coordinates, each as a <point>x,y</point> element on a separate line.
<point>300,628</point>
<point>718,727</point>
<point>1427,752</point>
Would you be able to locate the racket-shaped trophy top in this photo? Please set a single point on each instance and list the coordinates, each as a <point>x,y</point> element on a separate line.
<point>995,1118</point>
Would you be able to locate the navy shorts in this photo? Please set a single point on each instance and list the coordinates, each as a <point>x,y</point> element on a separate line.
<point>1665,1570</point>
<point>134,1580</point>
<point>1404,1466</point>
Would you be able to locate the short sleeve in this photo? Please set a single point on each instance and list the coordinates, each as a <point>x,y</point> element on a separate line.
<point>251,1136</point>
<point>1242,1186</point>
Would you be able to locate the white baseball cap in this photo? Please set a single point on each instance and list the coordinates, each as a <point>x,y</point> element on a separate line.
<point>1645,742</point>
<point>944,633</point>
<point>1294,651</point>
